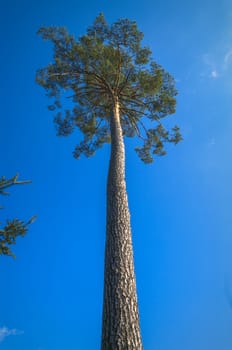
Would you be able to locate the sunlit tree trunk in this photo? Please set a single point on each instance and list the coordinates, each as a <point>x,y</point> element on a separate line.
<point>120,328</point>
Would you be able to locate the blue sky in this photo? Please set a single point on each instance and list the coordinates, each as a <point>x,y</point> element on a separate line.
<point>51,295</point>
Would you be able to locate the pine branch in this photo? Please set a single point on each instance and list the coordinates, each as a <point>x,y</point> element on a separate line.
<point>8,183</point>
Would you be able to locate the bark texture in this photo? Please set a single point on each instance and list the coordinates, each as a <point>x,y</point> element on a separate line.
<point>120,326</point>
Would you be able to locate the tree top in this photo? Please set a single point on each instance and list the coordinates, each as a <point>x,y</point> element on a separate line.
<point>106,64</point>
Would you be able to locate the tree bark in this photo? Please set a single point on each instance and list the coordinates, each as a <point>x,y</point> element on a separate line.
<point>120,324</point>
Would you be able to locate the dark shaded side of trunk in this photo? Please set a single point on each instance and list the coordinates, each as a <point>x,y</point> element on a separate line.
<point>120,324</point>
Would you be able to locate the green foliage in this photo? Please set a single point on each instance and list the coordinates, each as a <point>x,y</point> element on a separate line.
<point>15,227</point>
<point>106,64</point>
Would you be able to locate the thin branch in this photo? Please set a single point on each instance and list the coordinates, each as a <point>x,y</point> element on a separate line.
<point>63,74</point>
<point>143,126</point>
<point>128,98</point>
<point>116,82</point>
<point>13,181</point>
<point>125,81</point>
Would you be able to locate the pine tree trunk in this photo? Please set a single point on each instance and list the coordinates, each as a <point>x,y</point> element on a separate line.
<point>120,324</point>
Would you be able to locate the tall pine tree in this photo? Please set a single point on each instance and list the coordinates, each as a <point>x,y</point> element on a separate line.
<point>117,91</point>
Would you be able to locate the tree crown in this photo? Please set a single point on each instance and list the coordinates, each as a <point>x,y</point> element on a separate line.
<point>108,64</point>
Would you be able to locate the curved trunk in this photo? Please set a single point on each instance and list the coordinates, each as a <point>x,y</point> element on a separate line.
<point>120,324</point>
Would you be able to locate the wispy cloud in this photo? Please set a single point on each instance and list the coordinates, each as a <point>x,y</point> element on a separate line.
<point>211,69</point>
<point>214,74</point>
<point>6,332</point>
<point>216,66</point>
<point>227,59</point>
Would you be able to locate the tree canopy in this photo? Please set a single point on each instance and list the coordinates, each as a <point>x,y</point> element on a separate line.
<point>15,227</point>
<point>106,64</point>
